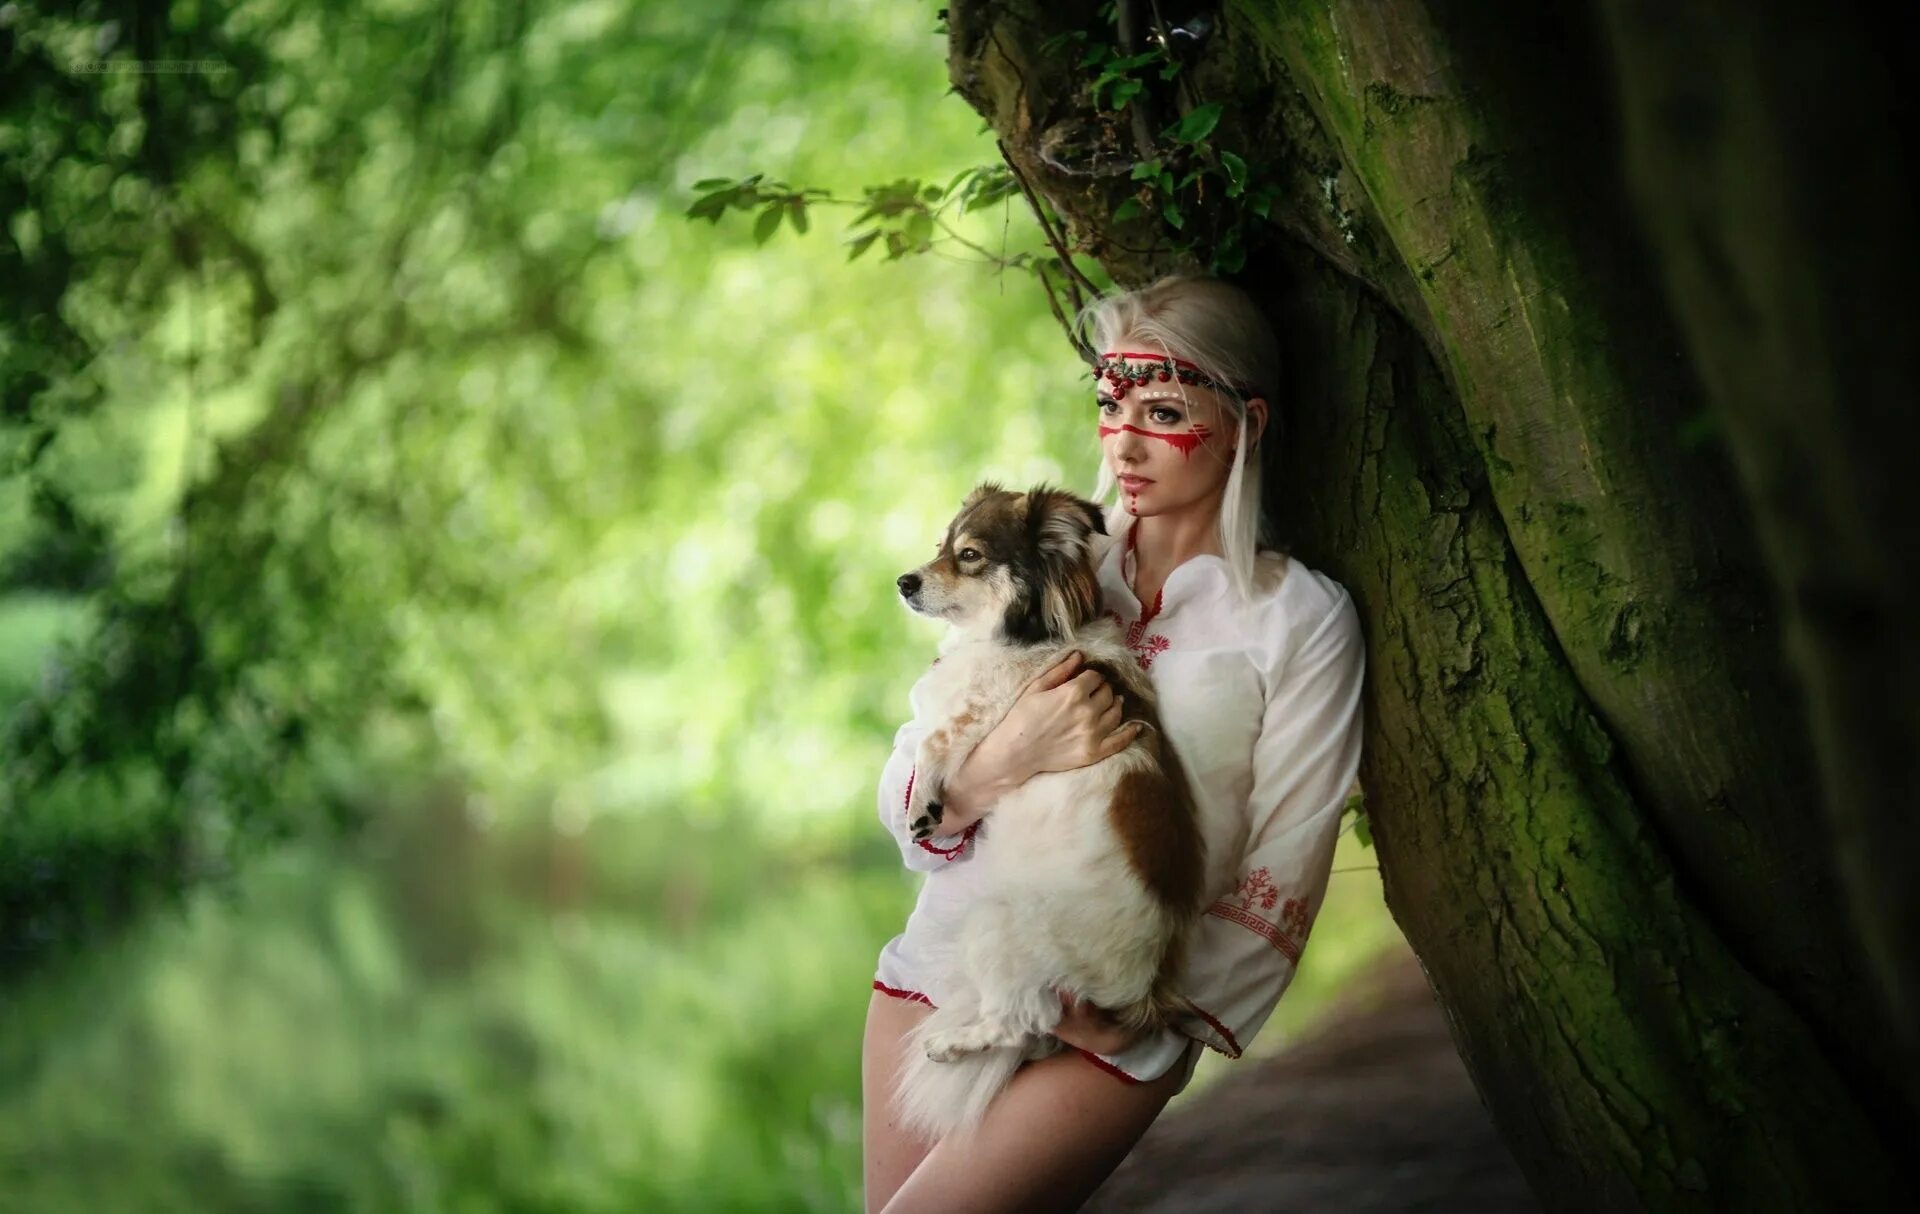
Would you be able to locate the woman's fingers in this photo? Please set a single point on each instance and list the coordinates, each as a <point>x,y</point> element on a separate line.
<point>1120,739</point>
<point>1055,674</point>
<point>1110,715</point>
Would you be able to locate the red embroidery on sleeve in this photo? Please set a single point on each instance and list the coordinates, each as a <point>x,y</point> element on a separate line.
<point>1289,935</point>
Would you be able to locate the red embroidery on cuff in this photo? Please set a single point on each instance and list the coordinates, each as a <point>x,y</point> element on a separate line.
<point>960,845</point>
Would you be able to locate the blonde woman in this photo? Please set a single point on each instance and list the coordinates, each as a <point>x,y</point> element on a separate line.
<point>1257,661</point>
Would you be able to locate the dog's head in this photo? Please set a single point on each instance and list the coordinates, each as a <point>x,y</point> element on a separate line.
<point>1013,566</point>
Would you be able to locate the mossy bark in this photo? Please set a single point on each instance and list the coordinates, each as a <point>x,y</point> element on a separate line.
<point>1587,762</point>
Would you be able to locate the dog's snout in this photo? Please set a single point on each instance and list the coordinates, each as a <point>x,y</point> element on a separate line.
<point>909,583</point>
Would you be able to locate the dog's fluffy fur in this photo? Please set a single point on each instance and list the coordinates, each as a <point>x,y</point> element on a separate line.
<point>1089,878</point>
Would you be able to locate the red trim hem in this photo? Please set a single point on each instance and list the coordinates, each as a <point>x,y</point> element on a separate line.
<point>898,993</point>
<point>1106,1066</point>
<point>1225,1034</point>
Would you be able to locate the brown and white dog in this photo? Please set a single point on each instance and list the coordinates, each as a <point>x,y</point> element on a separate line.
<point>1084,880</point>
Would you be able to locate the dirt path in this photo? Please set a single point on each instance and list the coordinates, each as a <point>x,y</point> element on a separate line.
<point>1372,1114</point>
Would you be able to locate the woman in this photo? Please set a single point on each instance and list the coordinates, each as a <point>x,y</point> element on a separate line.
<point>1257,661</point>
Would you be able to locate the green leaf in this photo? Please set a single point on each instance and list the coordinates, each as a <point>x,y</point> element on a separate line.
<point>768,223</point>
<point>1127,210</point>
<point>1231,256</point>
<point>1236,173</point>
<point>862,243</point>
<point>919,227</point>
<point>712,183</point>
<point>1146,169</point>
<point>1171,70</point>
<point>1125,91</point>
<point>797,211</point>
<point>712,207</point>
<point>1173,214</point>
<point>1197,124</point>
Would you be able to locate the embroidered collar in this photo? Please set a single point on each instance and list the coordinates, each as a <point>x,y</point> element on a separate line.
<point>1118,572</point>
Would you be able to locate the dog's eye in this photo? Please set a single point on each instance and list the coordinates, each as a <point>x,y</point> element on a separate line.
<point>969,554</point>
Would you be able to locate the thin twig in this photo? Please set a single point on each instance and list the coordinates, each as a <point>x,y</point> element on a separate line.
<point>1074,274</point>
<point>1053,305</point>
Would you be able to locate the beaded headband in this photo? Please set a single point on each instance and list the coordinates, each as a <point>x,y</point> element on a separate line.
<point>1120,373</point>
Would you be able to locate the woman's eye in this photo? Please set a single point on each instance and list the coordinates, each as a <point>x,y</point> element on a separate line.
<point>1165,417</point>
<point>1106,404</point>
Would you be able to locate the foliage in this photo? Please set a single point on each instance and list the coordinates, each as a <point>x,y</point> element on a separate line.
<point>383,453</point>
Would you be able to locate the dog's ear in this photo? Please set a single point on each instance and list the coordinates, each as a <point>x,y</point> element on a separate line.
<point>982,490</point>
<point>1063,522</point>
<point>1096,517</point>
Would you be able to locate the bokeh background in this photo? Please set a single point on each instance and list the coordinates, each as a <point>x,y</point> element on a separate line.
<point>447,635</point>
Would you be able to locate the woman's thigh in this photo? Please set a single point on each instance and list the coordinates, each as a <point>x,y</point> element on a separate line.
<point>889,1153</point>
<point>1058,1130</point>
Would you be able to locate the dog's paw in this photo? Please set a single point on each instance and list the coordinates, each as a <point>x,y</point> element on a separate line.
<point>926,812</point>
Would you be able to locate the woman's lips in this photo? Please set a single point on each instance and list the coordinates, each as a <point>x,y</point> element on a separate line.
<point>1134,483</point>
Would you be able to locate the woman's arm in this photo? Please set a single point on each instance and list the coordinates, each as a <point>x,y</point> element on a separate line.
<point>1065,717</point>
<point>1245,948</point>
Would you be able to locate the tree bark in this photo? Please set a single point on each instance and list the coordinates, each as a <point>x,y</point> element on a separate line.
<point>1588,764</point>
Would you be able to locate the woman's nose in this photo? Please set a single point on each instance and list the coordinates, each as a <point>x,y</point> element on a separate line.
<point>1128,446</point>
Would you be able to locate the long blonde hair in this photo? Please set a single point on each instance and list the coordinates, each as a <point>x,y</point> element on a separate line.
<point>1217,327</point>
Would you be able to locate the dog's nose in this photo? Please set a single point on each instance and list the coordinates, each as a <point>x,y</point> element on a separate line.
<point>908,583</point>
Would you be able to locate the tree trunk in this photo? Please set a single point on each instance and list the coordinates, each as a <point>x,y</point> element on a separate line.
<point>1588,765</point>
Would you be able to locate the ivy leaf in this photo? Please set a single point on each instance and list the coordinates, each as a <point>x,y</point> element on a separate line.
<point>1127,210</point>
<point>768,223</point>
<point>1231,256</point>
<point>1125,91</point>
<point>1171,70</point>
<point>1236,173</point>
<point>1146,169</point>
<point>1174,215</point>
<point>1197,124</point>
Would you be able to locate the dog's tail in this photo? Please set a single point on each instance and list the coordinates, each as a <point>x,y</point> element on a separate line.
<point>938,1099</point>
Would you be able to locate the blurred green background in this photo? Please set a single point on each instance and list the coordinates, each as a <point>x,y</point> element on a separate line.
<point>447,635</point>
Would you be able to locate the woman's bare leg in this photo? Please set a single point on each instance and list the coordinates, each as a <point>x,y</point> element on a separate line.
<point>1057,1131</point>
<point>890,1152</point>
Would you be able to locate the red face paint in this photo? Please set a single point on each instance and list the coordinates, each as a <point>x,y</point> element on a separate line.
<point>1184,442</point>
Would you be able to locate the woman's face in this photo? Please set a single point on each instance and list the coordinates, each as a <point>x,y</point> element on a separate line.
<point>1169,444</point>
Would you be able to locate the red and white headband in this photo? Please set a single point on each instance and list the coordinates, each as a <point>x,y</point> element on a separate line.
<point>1123,370</point>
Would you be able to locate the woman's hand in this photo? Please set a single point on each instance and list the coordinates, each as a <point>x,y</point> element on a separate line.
<point>1091,1028</point>
<point>1065,717</point>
